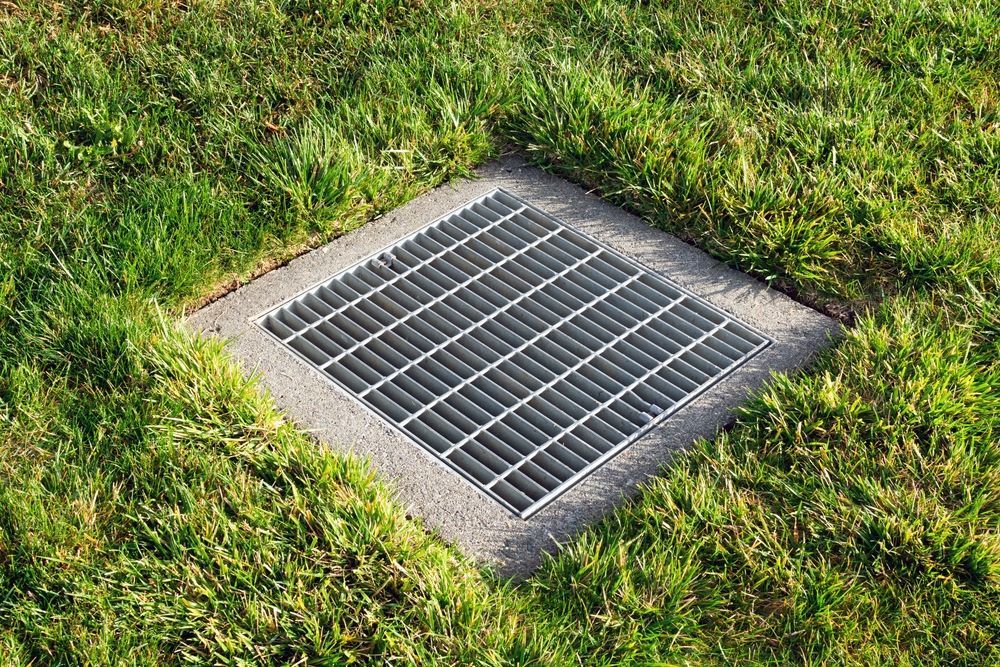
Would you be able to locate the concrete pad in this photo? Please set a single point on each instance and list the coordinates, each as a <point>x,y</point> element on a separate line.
<point>449,504</point>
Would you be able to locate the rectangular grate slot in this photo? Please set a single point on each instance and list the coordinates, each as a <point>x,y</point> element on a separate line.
<point>517,350</point>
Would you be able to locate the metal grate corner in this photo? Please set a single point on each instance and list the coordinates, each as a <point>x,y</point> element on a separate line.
<point>520,352</point>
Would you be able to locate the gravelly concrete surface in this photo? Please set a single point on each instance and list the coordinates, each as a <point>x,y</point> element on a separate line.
<point>447,503</point>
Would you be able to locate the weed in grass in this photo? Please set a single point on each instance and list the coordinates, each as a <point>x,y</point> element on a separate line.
<point>311,172</point>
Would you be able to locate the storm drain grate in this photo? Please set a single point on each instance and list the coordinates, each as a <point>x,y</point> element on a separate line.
<point>519,351</point>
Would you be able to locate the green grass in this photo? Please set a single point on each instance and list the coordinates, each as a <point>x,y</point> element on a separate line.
<point>154,508</point>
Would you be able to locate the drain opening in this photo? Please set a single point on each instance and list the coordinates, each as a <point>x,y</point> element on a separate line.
<point>517,350</point>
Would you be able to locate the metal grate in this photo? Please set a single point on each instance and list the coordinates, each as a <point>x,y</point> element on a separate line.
<point>519,351</point>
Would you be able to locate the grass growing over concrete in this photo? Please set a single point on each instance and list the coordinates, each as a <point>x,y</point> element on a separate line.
<point>154,508</point>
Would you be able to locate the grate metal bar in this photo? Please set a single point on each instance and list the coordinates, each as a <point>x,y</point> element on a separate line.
<point>532,340</point>
<point>454,337</point>
<point>518,351</point>
<point>406,273</point>
<point>437,299</point>
<point>521,347</point>
<point>558,378</point>
<point>608,402</point>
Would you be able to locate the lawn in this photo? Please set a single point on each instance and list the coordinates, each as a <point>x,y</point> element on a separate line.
<point>155,508</point>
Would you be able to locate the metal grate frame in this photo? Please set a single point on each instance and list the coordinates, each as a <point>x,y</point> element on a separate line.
<point>520,352</point>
